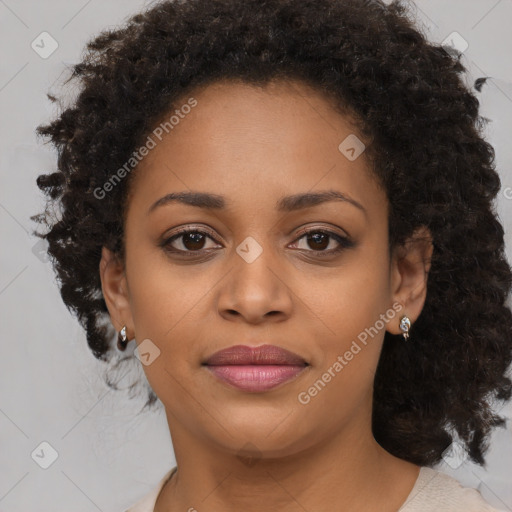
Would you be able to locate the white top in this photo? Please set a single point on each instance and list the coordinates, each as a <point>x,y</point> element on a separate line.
<point>433,491</point>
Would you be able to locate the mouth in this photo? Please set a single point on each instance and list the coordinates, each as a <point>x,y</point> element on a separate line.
<point>255,369</point>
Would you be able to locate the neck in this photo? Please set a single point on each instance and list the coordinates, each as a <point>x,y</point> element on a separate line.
<point>349,471</point>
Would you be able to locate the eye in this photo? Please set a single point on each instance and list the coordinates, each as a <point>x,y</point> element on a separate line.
<point>193,240</point>
<point>188,241</point>
<point>319,241</point>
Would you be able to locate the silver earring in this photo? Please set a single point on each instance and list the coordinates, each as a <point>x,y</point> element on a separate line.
<point>405,326</point>
<point>122,340</point>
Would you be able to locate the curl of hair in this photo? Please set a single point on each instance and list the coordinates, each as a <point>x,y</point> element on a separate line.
<point>427,151</point>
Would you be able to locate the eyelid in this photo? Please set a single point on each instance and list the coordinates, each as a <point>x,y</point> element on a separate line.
<point>194,229</point>
<point>321,229</point>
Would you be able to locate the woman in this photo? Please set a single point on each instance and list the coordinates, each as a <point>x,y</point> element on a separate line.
<point>287,207</point>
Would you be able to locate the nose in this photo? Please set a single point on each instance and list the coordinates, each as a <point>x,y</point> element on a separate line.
<point>255,292</point>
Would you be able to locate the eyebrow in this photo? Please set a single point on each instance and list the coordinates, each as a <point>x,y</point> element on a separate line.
<point>284,204</point>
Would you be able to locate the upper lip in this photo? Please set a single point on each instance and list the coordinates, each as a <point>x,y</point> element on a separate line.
<point>263,354</point>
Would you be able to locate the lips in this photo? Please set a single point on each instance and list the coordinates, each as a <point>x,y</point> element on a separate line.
<point>264,354</point>
<point>255,369</point>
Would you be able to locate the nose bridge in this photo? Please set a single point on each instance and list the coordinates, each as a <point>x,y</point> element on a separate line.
<point>255,285</point>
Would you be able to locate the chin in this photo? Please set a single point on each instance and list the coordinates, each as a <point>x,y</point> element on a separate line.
<point>263,435</point>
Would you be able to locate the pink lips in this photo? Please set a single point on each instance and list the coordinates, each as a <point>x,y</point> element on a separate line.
<point>255,369</point>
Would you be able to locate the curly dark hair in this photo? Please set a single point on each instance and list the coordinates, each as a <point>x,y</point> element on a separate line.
<point>427,151</point>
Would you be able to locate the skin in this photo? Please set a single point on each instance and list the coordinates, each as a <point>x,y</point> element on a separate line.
<point>266,451</point>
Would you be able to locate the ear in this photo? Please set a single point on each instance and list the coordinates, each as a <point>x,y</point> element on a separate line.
<point>115,290</point>
<point>410,265</point>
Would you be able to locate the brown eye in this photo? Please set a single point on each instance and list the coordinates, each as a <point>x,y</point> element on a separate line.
<point>187,241</point>
<point>319,241</point>
<point>193,241</point>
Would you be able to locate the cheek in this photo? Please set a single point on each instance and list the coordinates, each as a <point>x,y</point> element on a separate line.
<point>341,385</point>
<point>350,299</point>
<point>348,328</point>
<point>166,303</point>
<point>161,294</point>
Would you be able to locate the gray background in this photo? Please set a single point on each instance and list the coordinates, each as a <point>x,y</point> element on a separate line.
<point>52,388</point>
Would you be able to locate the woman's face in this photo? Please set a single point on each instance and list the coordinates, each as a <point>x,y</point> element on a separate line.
<point>250,275</point>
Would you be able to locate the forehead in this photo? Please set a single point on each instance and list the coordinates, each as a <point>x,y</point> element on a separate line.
<point>253,144</point>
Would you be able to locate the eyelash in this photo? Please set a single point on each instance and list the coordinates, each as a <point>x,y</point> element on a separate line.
<point>345,242</point>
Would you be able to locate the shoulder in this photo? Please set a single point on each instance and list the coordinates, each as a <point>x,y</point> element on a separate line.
<point>436,491</point>
<point>147,503</point>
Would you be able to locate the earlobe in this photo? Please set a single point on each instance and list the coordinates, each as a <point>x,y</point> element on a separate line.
<point>113,285</point>
<point>410,268</point>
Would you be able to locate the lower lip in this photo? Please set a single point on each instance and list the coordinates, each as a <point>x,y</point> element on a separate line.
<point>255,378</point>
